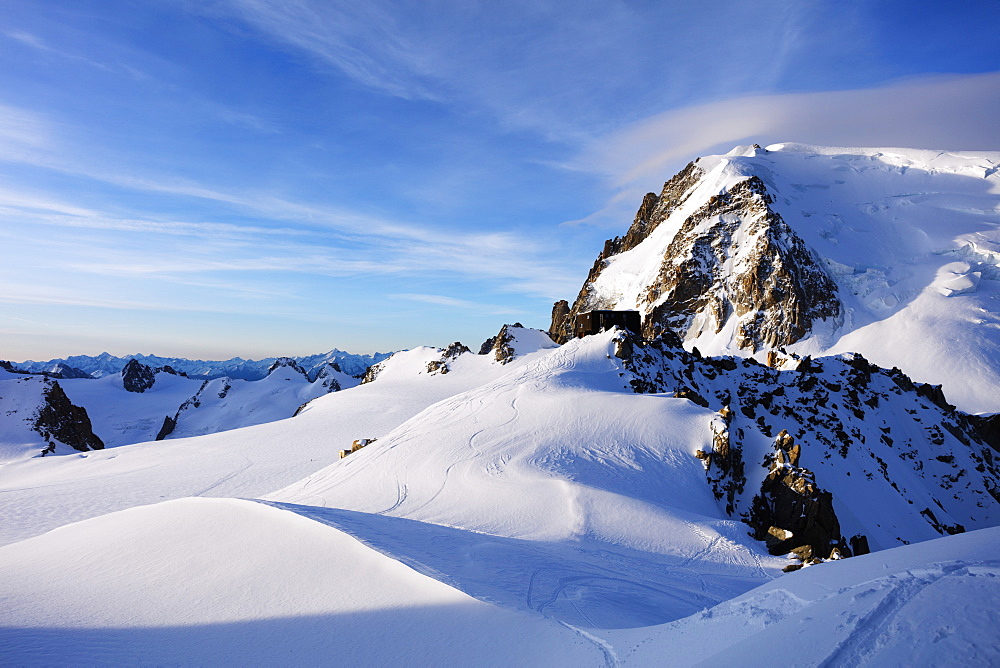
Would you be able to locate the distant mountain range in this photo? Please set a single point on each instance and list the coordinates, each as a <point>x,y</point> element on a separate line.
<point>236,368</point>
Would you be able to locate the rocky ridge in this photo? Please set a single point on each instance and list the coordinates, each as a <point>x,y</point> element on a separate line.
<point>731,262</point>
<point>59,421</point>
<point>849,421</point>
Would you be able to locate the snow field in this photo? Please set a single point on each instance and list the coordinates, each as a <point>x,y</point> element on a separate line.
<point>224,581</point>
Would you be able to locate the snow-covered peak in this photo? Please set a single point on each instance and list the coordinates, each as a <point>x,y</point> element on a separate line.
<point>894,253</point>
<point>286,368</point>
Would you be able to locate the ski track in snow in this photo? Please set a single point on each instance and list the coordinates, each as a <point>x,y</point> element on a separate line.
<point>527,575</point>
<point>610,656</point>
<point>873,631</point>
<point>247,463</point>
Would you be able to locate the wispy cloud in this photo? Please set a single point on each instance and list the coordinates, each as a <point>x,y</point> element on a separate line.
<point>442,300</point>
<point>942,112</point>
<point>537,66</point>
<point>290,238</point>
<point>37,43</point>
<point>363,40</point>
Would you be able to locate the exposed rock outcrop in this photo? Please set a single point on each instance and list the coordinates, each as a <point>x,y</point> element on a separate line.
<point>287,362</point>
<point>735,257</point>
<point>791,513</point>
<point>450,353</point>
<point>169,424</point>
<point>371,373</point>
<point>137,377</point>
<point>500,345</point>
<point>58,420</point>
<point>559,327</point>
<point>327,376</point>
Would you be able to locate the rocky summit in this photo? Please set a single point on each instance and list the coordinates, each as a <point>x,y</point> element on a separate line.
<point>892,253</point>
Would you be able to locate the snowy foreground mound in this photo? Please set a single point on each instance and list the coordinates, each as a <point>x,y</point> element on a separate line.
<point>215,581</point>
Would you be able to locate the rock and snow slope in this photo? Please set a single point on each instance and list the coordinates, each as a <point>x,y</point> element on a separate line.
<point>144,404</point>
<point>39,494</point>
<point>930,604</point>
<point>892,253</point>
<point>530,491</point>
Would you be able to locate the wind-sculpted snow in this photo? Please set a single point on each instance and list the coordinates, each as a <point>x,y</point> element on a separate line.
<point>553,509</point>
<point>576,582</point>
<point>931,604</point>
<point>892,253</point>
<point>229,582</point>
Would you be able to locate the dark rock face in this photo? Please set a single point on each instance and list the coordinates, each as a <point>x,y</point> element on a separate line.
<point>987,427</point>
<point>487,346</point>
<point>287,362</point>
<point>450,353</point>
<point>732,258</point>
<point>169,424</point>
<point>792,514</point>
<point>137,377</point>
<point>59,420</point>
<point>777,291</point>
<point>560,314</point>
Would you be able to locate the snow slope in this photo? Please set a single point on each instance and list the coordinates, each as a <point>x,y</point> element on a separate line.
<point>120,417</point>
<point>911,238</point>
<point>224,581</point>
<point>39,494</point>
<point>931,604</point>
<point>20,400</point>
<point>601,483</point>
<point>229,582</point>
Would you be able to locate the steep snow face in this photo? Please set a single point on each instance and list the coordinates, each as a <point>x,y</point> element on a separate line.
<point>893,253</point>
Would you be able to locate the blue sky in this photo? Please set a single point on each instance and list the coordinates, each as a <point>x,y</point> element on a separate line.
<point>254,177</point>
